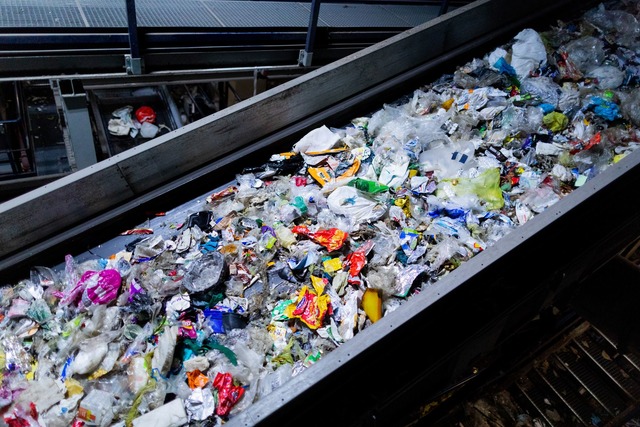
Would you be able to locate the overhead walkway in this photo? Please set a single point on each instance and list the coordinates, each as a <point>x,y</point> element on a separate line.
<point>40,37</point>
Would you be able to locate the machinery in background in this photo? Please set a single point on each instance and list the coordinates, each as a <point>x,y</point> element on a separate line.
<point>32,142</point>
<point>50,128</point>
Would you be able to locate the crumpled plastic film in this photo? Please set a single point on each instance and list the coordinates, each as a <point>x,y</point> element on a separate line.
<point>349,202</point>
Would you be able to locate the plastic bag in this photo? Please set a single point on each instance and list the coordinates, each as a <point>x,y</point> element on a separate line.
<point>542,87</point>
<point>540,198</point>
<point>622,23</point>
<point>448,160</point>
<point>148,130</point>
<point>100,287</point>
<point>607,76</point>
<point>631,106</point>
<point>206,272</point>
<point>483,191</point>
<point>555,121</point>
<point>314,142</point>
<point>43,276</point>
<point>122,124</point>
<point>351,203</point>
<point>528,52</point>
<point>586,52</point>
<point>605,108</point>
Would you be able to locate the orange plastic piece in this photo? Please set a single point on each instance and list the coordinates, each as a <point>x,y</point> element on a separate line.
<point>197,379</point>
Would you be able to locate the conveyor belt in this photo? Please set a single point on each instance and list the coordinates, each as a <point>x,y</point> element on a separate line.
<point>486,297</point>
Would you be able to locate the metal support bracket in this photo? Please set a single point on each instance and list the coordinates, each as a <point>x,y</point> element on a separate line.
<point>304,58</point>
<point>133,65</point>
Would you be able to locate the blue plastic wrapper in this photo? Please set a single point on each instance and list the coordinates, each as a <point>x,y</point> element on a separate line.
<point>504,67</point>
<point>214,318</point>
<point>605,109</point>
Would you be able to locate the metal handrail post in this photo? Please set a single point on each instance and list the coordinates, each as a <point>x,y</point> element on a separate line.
<point>133,61</point>
<point>444,6</point>
<point>306,55</point>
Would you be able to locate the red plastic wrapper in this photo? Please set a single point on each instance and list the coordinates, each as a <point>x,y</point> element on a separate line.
<point>301,229</point>
<point>228,393</point>
<point>222,194</point>
<point>332,238</point>
<point>23,418</point>
<point>358,258</point>
<point>568,70</point>
<point>300,181</point>
<point>145,114</point>
<point>137,231</point>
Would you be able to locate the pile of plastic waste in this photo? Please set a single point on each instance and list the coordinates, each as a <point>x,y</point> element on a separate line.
<point>125,122</point>
<point>299,255</point>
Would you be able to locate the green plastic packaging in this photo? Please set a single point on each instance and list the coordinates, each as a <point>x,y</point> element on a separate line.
<point>367,186</point>
<point>485,186</point>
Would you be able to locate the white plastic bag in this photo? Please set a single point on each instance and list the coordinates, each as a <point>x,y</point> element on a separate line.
<point>528,52</point>
<point>347,201</point>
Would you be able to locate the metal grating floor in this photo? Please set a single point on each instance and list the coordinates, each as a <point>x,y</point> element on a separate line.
<point>206,13</point>
<point>359,15</point>
<point>40,13</point>
<point>585,381</point>
<point>412,15</point>
<point>260,14</point>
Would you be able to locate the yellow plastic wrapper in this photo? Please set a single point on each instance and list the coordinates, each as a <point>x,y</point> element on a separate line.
<point>372,304</point>
<point>619,157</point>
<point>332,265</point>
<point>404,204</point>
<point>73,387</point>
<point>97,374</point>
<point>310,307</point>
<point>329,151</point>
<point>32,373</point>
<point>325,175</point>
<point>322,175</point>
